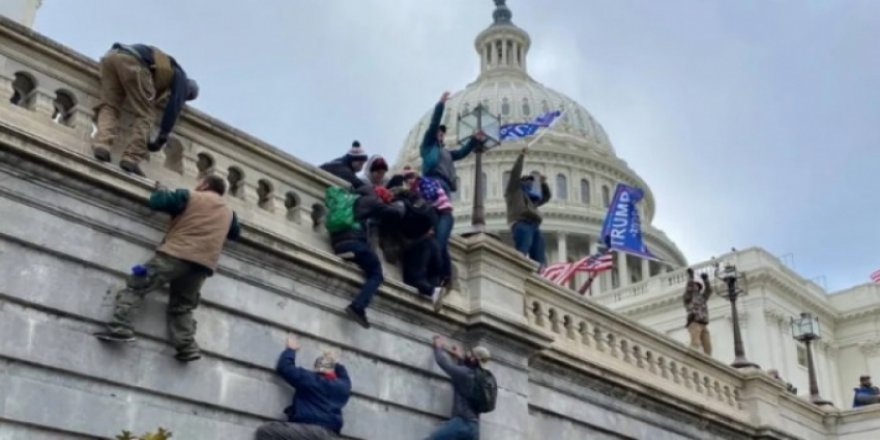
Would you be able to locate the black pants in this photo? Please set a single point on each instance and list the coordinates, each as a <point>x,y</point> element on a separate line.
<point>422,265</point>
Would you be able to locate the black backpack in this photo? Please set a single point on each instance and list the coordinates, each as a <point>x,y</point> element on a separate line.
<point>419,217</point>
<point>484,392</point>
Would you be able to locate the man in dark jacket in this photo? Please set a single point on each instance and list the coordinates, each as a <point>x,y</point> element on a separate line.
<point>316,412</point>
<point>438,163</point>
<point>421,256</point>
<point>522,211</point>
<point>696,298</point>
<point>866,393</point>
<point>347,167</point>
<point>142,76</point>
<point>464,423</point>
<point>354,245</point>
<point>201,222</point>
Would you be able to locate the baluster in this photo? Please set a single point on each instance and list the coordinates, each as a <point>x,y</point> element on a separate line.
<point>612,345</point>
<point>600,340</point>
<point>584,331</point>
<point>538,315</point>
<point>707,386</point>
<point>686,378</point>
<point>673,367</point>
<point>717,389</point>
<point>640,362</point>
<point>554,321</point>
<point>698,386</point>
<point>569,328</point>
<point>624,348</point>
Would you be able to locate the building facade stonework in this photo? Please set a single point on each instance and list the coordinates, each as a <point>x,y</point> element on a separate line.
<point>72,227</point>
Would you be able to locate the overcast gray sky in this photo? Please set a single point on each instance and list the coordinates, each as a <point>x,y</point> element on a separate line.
<point>755,122</point>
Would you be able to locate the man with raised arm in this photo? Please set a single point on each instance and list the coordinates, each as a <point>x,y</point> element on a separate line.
<point>696,298</point>
<point>438,163</point>
<point>321,393</point>
<point>201,222</point>
<point>522,211</point>
<point>141,76</point>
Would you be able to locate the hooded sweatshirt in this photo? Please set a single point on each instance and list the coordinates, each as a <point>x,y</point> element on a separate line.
<point>521,204</point>
<point>368,167</point>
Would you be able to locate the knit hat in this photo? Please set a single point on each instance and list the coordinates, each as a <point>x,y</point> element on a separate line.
<point>442,128</point>
<point>356,152</point>
<point>378,164</point>
<point>326,362</point>
<point>482,354</point>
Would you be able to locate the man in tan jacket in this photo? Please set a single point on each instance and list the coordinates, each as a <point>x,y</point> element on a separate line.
<point>522,211</point>
<point>201,222</point>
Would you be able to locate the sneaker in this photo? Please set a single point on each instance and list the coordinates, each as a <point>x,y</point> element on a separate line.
<point>359,317</point>
<point>114,337</point>
<point>101,154</point>
<point>188,356</point>
<point>131,167</point>
<point>437,297</point>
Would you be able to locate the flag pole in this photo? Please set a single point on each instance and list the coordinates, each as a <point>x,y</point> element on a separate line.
<point>545,130</point>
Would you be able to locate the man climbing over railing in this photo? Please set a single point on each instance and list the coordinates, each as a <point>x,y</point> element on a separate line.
<point>523,216</point>
<point>316,411</point>
<point>696,298</point>
<point>141,76</point>
<point>474,387</point>
<point>347,167</point>
<point>201,222</point>
<point>347,217</point>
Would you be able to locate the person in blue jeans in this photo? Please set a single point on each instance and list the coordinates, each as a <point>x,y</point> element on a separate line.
<point>523,216</point>
<point>464,423</point>
<point>438,163</point>
<point>354,245</point>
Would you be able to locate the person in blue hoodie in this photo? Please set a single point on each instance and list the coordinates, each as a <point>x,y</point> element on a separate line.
<point>316,411</point>
<point>438,163</point>
<point>866,394</point>
<point>142,76</point>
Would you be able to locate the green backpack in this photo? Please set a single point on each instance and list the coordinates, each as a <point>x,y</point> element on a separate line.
<point>340,210</point>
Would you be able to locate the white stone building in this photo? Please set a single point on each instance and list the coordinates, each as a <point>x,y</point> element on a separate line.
<point>22,11</point>
<point>575,154</point>
<point>582,169</point>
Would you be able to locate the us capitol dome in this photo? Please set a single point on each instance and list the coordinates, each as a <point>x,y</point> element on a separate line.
<point>576,155</point>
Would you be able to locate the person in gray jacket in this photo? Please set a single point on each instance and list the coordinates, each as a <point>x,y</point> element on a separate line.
<point>464,424</point>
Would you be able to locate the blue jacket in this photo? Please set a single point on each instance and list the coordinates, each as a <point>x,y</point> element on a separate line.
<point>861,393</point>
<point>432,153</point>
<point>178,92</point>
<point>318,400</point>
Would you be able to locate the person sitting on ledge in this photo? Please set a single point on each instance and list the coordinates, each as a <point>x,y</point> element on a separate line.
<point>349,240</point>
<point>474,387</point>
<point>866,394</point>
<point>201,221</point>
<point>316,411</point>
<point>347,167</point>
<point>142,76</point>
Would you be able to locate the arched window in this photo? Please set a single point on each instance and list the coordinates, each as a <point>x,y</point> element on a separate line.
<point>505,107</point>
<point>561,187</point>
<point>23,88</point>
<point>504,179</point>
<point>606,195</point>
<point>205,164</point>
<point>64,103</point>
<point>585,191</point>
<point>526,109</point>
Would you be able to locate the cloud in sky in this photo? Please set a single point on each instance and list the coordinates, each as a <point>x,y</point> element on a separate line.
<point>754,122</point>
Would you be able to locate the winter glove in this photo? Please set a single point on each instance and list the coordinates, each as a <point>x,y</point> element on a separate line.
<point>157,144</point>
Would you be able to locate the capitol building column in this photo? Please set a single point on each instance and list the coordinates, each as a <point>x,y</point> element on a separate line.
<point>561,247</point>
<point>599,282</point>
<point>646,269</point>
<point>622,270</point>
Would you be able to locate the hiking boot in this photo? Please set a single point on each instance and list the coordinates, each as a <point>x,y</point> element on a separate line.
<point>102,154</point>
<point>437,297</point>
<point>131,167</point>
<point>188,356</point>
<point>359,317</point>
<point>109,336</point>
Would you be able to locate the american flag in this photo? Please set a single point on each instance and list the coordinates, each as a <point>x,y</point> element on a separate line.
<point>561,273</point>
<point>875,276</point>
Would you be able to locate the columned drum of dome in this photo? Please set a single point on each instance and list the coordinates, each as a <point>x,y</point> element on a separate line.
<point>575,154</point>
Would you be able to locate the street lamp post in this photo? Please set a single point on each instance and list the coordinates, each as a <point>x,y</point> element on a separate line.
<point>479,120</point>
<point>806,329</point>
<point>731,277</point>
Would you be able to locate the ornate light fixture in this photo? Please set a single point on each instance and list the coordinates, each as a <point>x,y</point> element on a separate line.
<point>469,123</point>
<point>731,277</point>
<point>806,329</point>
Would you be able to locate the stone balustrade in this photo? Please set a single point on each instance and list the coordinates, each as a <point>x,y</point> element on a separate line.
<point>48,93</point>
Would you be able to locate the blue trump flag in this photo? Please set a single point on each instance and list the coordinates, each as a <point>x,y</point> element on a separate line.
<point>622,229</point>
<point>525,129</point>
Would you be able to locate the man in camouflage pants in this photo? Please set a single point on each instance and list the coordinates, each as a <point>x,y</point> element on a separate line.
<point>696,297</point>
<point>200,224</point>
